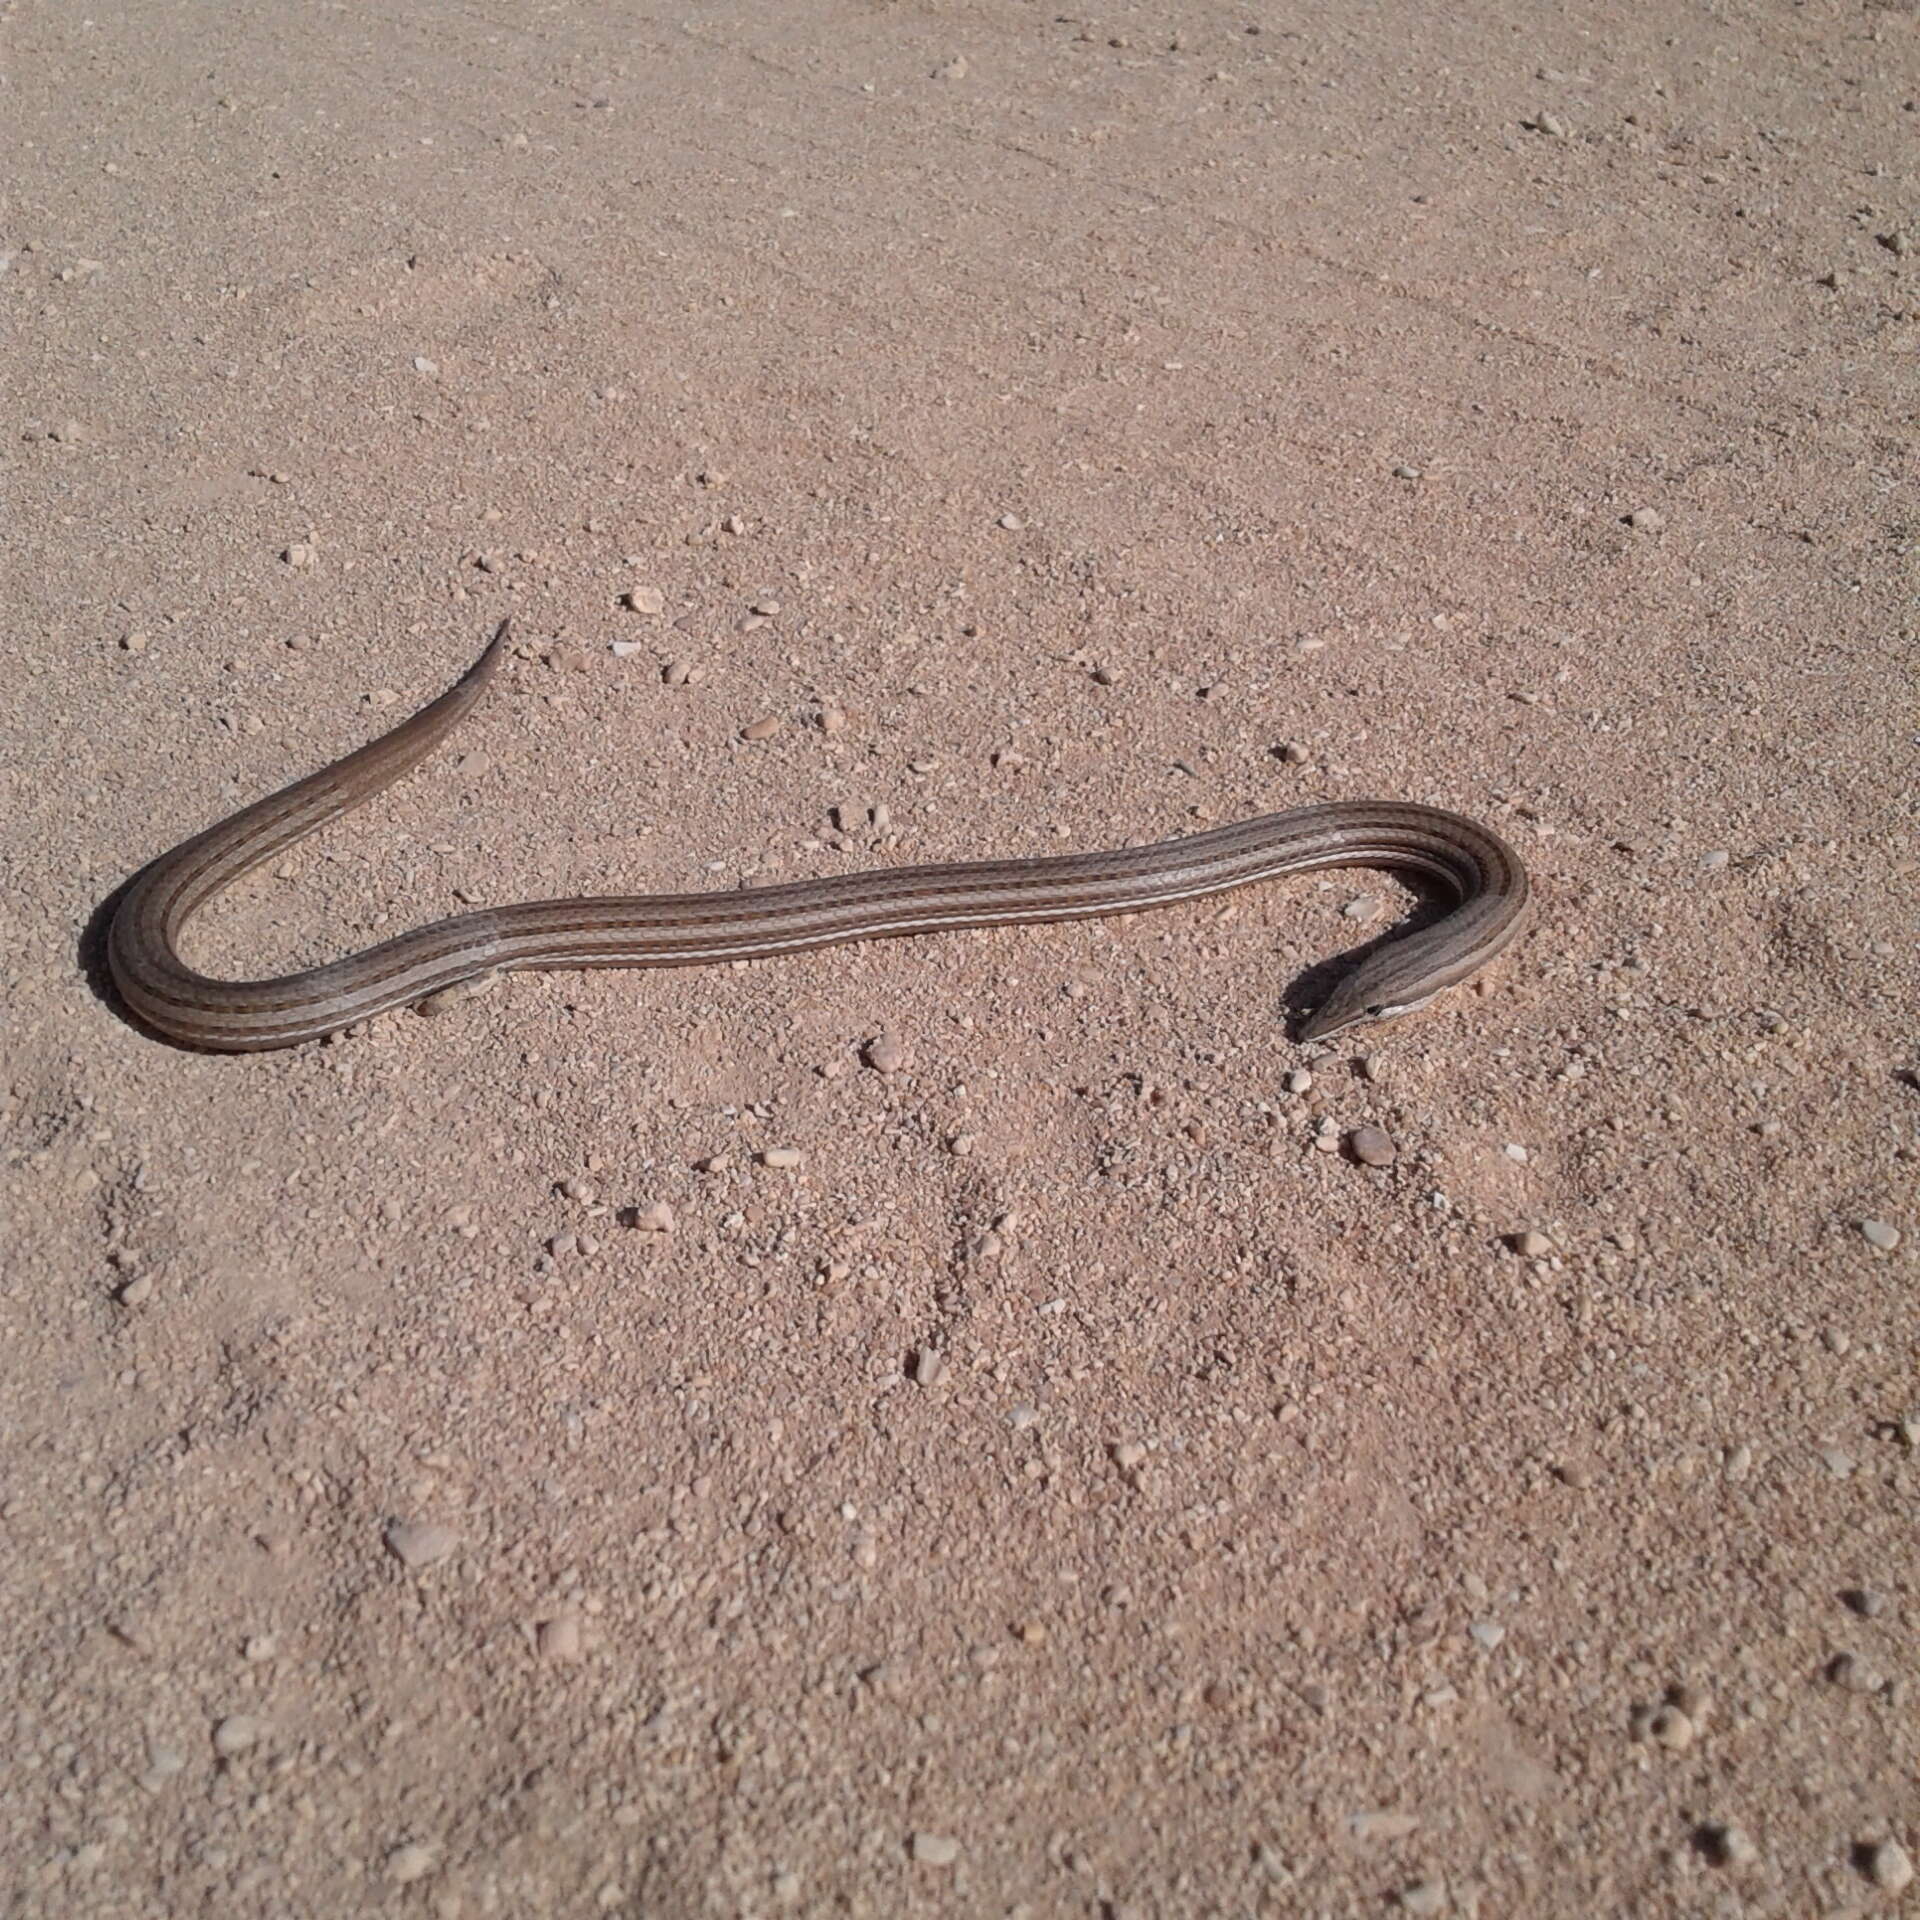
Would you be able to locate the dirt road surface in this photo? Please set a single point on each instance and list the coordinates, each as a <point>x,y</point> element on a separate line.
<point>1071,1484</point>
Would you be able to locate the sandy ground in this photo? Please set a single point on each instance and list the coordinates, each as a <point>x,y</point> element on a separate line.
<point>1070,1490</point>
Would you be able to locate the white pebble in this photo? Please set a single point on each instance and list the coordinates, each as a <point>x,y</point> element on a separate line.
<point>420,1543</point>
<point>409,1863</point>
<point>885,1054</point>
<point>1879,1233</point>
<point>457,995</point>
<point>235,1735</point>
<point>657,1218</point>
<point>647,600</point>
<point>783,1157</point>
<point>1672,1729</point>
<point>1011,522</point>
<point>1363,906</point>
<point>935,1849</point>
<point>1889,1867</point>
<point>1382,1825</point>
<point>558,1639</point>
<point>1731,1846</point>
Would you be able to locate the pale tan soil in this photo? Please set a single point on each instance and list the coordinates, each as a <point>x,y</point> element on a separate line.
<point>1422,1528</point>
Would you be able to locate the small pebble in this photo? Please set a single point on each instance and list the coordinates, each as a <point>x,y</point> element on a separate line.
<point>1729,1846</point>
<point>1716,861</point>
<point>1300,1080</point>
<point>1530,1245</point>
<point>1406,473</point>
<point>300,554</point>
<point>935,1849</point>
<point>235,1735</point>
<point>656,1218</point>
<point>1129,1456</point>
<point>928,1367</point>
<point>955,69</point>
<point>1487,1634</point>
<point>1889,1867</point>
<point>649,600</point>
<point>420,1543</point>
<point>1371,1147</point>
<point>765,608</point>
<point>1852,1675</point>
<point>1672,1729</point>
<point>885,1054</point>
<point>1011,522</point>
<point>1550,124</point>
<point>1695,1702</point>
<point>421,364</point>
<point>137,1292</point>
<point>1868,1602</point>
<point>135,642</point>
<point>409,1863</point>
<point>1646,520</point>
<point>558,1639</point>
<point>761,729</point>
<point>457,995</point>
<point>1879,1233</point>
<point>1382,1825</point>
<point>1363,906</point>
<point>782,1157</point>
<point>1899,243</point>
<point>1424,1896</point>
